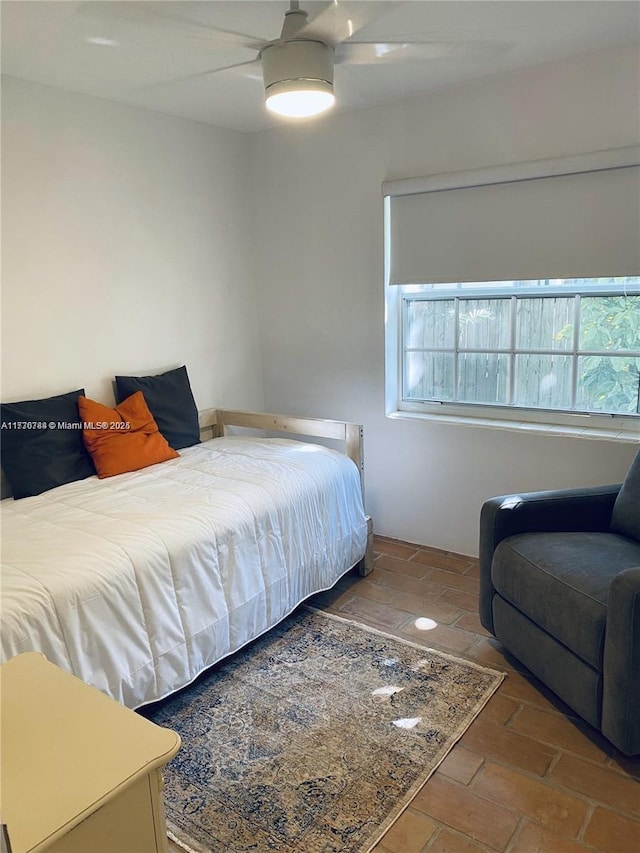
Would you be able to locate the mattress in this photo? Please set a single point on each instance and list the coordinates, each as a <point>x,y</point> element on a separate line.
<point>139,582</point>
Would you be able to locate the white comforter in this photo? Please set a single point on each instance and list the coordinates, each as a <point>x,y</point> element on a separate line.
<point>139,582</point>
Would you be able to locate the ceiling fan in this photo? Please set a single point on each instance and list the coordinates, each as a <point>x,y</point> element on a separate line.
<point>298,66</point>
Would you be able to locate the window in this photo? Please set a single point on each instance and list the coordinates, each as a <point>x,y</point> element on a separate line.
<point>474,331</point>
<point>564,345</point>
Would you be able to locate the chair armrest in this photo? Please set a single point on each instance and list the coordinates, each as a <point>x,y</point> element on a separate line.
<point>621,676</point>
<point>586,508</point>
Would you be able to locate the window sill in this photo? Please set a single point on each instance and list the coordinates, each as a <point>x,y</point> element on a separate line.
<point>628,436</point>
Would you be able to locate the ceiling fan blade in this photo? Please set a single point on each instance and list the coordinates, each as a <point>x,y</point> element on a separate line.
<point>145,18</point>
<point>341,19</point>
<point>381,53</point>
<point>204,75</point>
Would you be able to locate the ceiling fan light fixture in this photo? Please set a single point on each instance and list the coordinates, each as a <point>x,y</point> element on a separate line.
<point>298,78</point>
<point>300,98</point>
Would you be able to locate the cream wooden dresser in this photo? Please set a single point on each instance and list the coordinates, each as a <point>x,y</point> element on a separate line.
<point>80,773</point>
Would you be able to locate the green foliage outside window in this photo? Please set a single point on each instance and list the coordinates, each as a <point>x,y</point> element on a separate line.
<point>608,324</point>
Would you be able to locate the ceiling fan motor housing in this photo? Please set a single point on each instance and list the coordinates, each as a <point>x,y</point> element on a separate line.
<point>307,63</point>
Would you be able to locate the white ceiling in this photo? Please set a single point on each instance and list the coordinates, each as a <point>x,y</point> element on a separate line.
<point>148,48</point>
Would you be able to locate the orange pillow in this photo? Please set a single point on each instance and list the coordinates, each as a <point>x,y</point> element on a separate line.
<point>122,439</point>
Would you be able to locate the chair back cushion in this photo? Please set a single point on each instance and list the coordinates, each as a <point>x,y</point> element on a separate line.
<point>625,518</point>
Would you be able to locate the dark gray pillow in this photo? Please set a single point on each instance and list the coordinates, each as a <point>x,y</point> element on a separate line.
<point>625,518</point>
<point>170,401</point>
<point>42,446</point>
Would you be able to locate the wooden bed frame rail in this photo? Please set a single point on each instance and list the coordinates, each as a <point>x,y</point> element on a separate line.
<point>214,424</point>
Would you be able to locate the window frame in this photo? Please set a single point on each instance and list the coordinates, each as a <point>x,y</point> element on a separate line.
<point>616,427</point>
<point>459,293</point>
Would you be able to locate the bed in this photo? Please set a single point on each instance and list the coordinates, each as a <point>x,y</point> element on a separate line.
<point>138,583</point>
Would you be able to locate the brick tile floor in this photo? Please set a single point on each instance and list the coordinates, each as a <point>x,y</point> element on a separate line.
<point>527,776</point>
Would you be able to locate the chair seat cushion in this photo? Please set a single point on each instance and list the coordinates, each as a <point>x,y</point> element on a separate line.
<point>561,582</point>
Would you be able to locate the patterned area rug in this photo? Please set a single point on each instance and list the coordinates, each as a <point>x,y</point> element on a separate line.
<point>313,739</point>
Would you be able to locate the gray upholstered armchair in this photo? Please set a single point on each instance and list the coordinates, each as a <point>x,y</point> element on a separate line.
<point>560,588</point>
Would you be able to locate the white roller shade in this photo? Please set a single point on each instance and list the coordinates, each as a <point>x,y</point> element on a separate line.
<point>494,227</point>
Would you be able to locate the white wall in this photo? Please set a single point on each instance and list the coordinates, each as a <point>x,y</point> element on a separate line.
<point>125,249</point>
<point>319,231</point>
<point>129,246</point>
